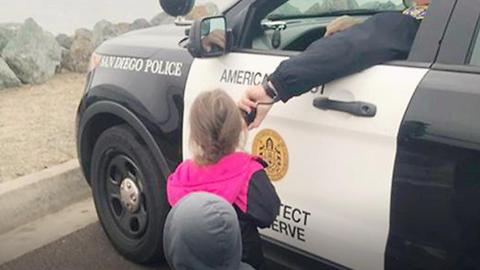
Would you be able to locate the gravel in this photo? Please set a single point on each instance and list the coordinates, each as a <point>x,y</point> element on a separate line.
<point>37,125</point>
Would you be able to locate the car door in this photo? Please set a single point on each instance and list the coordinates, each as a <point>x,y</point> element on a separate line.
<point>333,170</point>
<point>336,189</point>
<point>435,205</point>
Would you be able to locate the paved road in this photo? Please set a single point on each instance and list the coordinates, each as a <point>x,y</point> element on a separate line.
<point>87,248</point>
<point>71,239</point>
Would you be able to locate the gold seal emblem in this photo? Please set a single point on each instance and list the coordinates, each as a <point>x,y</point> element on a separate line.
<point>270,146</point>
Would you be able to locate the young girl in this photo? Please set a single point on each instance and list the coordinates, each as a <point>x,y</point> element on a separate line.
<point>216,132</point>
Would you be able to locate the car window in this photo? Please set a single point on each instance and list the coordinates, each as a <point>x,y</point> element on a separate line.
<point>295,8</point>
<point>294,25</point>
<point>475,57</point>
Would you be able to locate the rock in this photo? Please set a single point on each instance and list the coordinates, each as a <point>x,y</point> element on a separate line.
<point>7,77</point>
<point>78,57</point>
<point>104,30</point>
<point>139,24</point>
<point>122,28</point>
<point>63,63</point>
<point>64,41</point>
<point>7,32</point>
<point>201,11</point>
<point>162,18</point>
<point>32,54</point>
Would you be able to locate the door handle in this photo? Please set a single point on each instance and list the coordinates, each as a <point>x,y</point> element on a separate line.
<point>358,108</point>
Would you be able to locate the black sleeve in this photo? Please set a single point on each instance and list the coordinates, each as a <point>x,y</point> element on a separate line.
<point>383,37</point>
<point>263,202</point>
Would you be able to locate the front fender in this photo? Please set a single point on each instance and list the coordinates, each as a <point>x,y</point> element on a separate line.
<point>148,99</point>
<point>110,110</point>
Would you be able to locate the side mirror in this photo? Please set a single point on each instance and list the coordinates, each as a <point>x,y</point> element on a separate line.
<point>177,7</point>
<point>209,37</point>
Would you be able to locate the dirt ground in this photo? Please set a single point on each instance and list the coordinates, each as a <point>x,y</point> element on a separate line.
<point>37,125</point>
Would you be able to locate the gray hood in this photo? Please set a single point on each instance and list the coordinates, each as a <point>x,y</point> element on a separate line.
<point>202,232</point>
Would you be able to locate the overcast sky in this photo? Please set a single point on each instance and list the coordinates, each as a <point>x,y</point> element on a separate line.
<point>64,16</point>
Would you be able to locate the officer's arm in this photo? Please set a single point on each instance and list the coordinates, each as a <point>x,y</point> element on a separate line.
<point>384,37</point>
<point>263,202</point>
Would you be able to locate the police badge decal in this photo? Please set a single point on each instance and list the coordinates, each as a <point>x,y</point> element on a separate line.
<point>269,145</point>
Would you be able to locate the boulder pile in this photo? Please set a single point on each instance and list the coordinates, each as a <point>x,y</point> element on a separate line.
<point>31,55</point>
<point>76,58</point>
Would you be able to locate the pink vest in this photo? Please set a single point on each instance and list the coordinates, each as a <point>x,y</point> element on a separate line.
<point>228,178</point>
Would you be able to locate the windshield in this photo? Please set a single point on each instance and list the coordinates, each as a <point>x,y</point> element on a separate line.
<point>299,8</point>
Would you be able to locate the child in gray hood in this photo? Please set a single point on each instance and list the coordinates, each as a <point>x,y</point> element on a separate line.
<point>202,232</point>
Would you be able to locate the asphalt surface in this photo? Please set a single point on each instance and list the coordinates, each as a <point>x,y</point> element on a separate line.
<point>87,248</point>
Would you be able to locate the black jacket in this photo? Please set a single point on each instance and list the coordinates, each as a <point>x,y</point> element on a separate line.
<point>263,207</point>
<point>383,37</point>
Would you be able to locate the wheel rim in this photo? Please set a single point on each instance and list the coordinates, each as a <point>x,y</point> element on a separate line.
<point>124,192</point>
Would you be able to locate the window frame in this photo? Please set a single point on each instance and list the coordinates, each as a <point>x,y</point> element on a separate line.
<point>460,39</point>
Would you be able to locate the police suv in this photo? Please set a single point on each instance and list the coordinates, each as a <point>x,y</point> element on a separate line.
<point>398,188</point>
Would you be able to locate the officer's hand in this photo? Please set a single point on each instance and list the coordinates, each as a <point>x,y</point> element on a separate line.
<point>216,37</point>
<point>251,97</point>
<point>340,24</point>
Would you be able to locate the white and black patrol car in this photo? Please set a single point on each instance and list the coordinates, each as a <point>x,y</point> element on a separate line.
<point>396,189</point>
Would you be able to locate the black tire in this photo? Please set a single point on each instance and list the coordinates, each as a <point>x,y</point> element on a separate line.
<point>119,154</point>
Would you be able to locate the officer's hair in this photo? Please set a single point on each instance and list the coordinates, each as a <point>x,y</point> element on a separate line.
<point>216,127</point>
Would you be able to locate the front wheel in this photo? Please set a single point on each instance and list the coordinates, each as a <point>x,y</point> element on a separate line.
<point>129,192</point>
